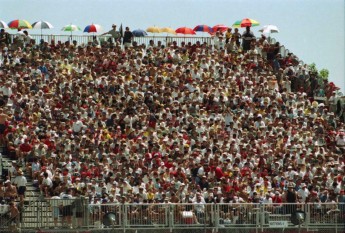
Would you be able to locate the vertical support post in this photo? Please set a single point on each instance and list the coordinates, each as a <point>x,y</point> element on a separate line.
<point>262,217</point>
<point>307,210</point>
<point>124,217</point>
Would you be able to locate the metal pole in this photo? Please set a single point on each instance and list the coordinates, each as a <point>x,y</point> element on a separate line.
<point>124,217</point>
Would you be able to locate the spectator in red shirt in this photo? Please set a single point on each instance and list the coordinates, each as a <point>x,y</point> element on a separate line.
<point>23,151</point>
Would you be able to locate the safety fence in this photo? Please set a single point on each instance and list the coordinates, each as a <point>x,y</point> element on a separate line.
<point>71,215</point>
<point>163,40</point>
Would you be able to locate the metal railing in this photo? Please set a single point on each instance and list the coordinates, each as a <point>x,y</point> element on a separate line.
<point>164,40</point>
<point>66,214</point>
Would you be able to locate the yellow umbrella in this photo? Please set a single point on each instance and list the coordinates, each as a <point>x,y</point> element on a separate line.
<point>153,29</point>
<point>168,30</point>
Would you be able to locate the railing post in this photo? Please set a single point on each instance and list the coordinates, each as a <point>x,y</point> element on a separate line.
<point>171,217</point>
<point>124,217</point>
<point>37,214</point>
<point>86,212</point>
<point>307,217</point>
<point>262,217</point>
<point>216,216</point>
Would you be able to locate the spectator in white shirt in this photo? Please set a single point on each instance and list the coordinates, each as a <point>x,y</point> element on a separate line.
<point>303,192</point>
<point>20,181</point>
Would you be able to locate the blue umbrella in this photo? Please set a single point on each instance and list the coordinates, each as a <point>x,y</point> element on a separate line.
<point>139,33</point>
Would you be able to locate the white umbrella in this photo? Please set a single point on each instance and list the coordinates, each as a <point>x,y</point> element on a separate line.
<point>3,24</point>
<point>267,29</point>
<point>42,25</point>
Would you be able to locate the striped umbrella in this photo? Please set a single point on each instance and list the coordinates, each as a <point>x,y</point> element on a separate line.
<point>203,28</point>
<point>93,28</point>
<point>245,23</point>
<point>19,24</point>
<point>3,24</point>
<point>71,28</point>
<point>41,25</point>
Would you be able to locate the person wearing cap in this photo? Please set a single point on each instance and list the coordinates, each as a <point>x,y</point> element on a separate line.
<point>115,35</point>
<point>20,182</point>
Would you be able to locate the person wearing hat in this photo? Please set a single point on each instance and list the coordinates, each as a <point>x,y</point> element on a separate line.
<point>20,182</point>
<point>290,197</point>
<point>303,193</point>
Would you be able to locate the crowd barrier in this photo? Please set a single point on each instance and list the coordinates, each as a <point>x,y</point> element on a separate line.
<point>73,214</point>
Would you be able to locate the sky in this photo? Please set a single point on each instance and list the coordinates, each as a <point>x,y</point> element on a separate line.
<point>314,30</point>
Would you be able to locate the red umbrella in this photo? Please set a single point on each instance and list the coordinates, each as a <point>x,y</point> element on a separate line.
<point>220,27</point>
<point>185,30</point>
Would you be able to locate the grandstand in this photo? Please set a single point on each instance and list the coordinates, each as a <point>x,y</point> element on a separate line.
<point>184,136</point>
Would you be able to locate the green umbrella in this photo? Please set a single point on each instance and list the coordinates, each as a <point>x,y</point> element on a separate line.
<point>71,28</point>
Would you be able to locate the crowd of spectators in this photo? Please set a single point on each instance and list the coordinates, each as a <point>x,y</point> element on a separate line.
<point>180,123</point>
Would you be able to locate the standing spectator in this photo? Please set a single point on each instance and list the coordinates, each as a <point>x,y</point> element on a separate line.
<point>237,36</point>
<point>228,35</point>
<point>290,198</point>
<point>67,208</point>
<point>27,38</point>
<point>247,38</point>
<point>115,35</point>
<point>127,38</point>
<point>20,181</point>
<point>4,37</point>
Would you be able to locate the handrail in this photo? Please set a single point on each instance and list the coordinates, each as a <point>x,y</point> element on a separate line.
<point>220,215</point>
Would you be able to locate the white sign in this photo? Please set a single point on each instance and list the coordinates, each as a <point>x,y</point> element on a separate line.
<point>278,224</point>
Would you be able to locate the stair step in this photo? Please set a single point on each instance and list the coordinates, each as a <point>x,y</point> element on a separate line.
<point>31,207</point>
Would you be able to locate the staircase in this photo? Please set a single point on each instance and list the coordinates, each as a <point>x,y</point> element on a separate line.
<point>36,210</point>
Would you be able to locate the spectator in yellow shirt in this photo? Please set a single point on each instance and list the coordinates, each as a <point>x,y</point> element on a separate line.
<point>228,35</point>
